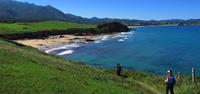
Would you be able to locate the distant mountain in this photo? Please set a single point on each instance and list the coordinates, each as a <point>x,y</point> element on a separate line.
<point>25,12</point>
<point>95,20</point>
<point>17,11</point>
<point>11,11</point>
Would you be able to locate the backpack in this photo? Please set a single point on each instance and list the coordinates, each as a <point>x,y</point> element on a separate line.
<point>172,80</point>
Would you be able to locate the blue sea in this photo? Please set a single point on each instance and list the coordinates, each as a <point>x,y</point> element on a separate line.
<point>149,48</point>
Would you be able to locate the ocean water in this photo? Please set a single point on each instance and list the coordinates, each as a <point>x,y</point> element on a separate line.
<point>151,49</point>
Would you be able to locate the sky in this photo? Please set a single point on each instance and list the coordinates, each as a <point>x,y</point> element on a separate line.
<point>127,9</point>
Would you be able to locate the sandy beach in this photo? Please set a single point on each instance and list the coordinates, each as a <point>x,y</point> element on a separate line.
<point>55,40</point>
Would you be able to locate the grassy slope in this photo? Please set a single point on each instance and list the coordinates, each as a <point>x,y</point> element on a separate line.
<point>9,28</point>
<point>24,70</point>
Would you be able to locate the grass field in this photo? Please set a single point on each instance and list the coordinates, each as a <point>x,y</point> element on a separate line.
<point>10,28</point>
<point>25,70</point>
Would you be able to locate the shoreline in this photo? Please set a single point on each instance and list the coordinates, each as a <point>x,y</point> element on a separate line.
<point>56,40</point>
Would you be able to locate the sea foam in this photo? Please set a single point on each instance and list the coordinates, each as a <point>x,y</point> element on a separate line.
<point>97,41</point>
<point>125,38</point>
<point>66,52</point>
<point>105,37</point>
<point>126,33</point>
<point>102,38</point>
<point>121,40</point>
<point>68,46</point>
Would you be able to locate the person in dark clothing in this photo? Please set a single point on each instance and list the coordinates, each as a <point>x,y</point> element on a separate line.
<point>170,82</point>
<point>119,69</point>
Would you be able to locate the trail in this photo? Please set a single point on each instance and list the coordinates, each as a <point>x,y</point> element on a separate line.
<point>147,87</point>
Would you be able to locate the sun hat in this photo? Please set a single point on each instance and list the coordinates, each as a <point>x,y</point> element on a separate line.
<point>169,71</point>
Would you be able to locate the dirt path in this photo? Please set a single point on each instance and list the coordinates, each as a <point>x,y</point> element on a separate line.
<point>147,87</point>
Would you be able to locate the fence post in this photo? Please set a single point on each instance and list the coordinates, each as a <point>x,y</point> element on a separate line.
<point>193,75</point>
<point>179,76</point>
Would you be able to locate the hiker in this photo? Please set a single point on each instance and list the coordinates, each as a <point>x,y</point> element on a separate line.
<point>170,82</point>
<point>119,69</point>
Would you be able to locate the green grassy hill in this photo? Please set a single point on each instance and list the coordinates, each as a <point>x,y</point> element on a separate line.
<point>10,28</point>
<point>25,70</point>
